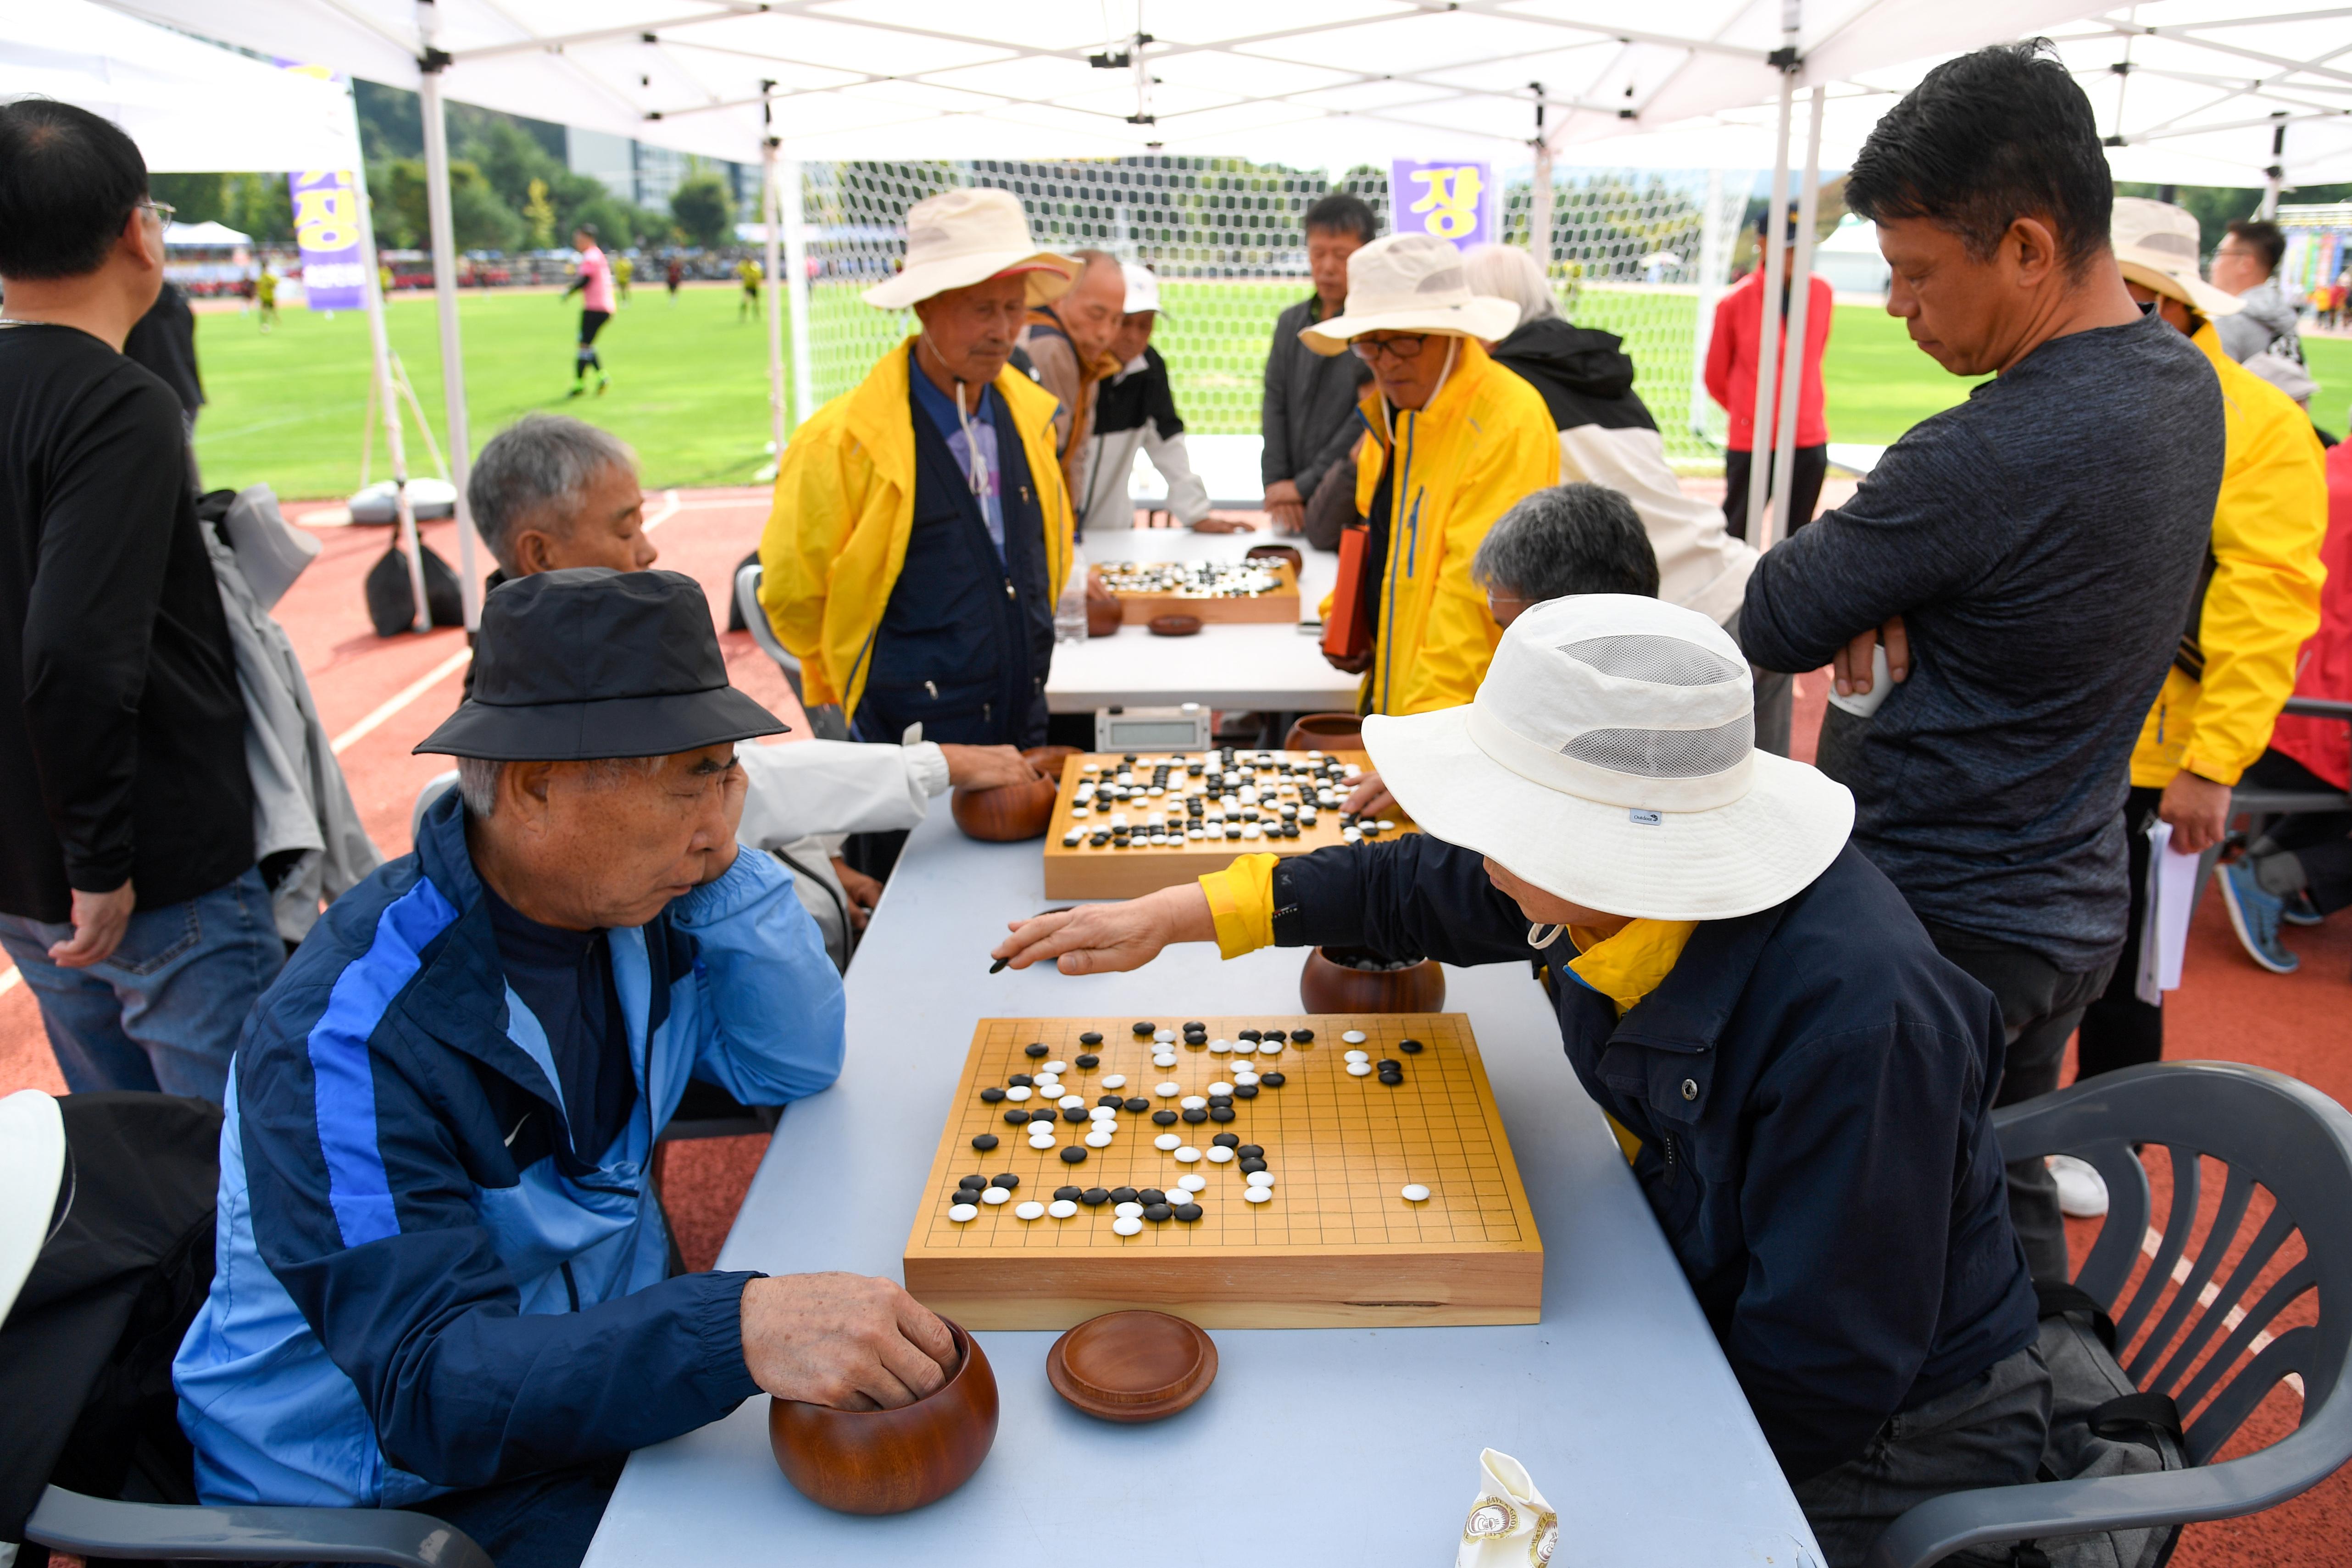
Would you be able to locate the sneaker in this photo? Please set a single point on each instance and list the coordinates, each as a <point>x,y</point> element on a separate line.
<point>601,385</point>
<point>2082,1191</point>
<point>2300,910</point>
<point>2254,916</point>
<point>577,388</point>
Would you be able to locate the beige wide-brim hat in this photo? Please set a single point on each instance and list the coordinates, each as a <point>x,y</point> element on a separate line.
<point>968,236</point>
<point>1610,759</point>
<point>2157,245</point>
<point>1411,283</point>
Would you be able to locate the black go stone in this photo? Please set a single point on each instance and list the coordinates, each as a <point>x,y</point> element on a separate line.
<point>1068,1194</point>
<point>1093,1197</point>
<point>1389,1064</point>
<point>984,1142</point>
<point>1034,1048</point>
<point>1164,1117</point>
<point>1302,1036</point>
<point>1275,1034</point>
<point>1195,1027</point>
<point>1022,1080</point>
<point>1112,1101</point>
<point>1249,1165</point>
<point>1142,1026</point>
<point>1015,1117</point>
<point>1221,1113</point>
<point>1089,1059</point>
<point>1225,1140</point>
<point>1245,1091</point>
<point>1270,1080</point>
<point>1158,1214</point>
<point>1252,1036</point>
<point>1007,1181</point>
<point>1139,1104</point>
<point>1217,1099</point>
<point>1122,1195</point>
<point>1075,1113</point>
<point>1250,1151</point>
<point>1074,1155</point>
<point>1150,1195</point>
<point>1186,1212</point>
<point>1196,1116</point>
<point>992,1094</point>
<point>971,1184</point>
<point>1410,1048</point>
<point>1044,1113</point>
<point>1090,1038</point>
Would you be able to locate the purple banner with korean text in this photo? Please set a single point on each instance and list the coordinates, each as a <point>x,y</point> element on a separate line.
<point>1454,199</point>
<point>327,227</point>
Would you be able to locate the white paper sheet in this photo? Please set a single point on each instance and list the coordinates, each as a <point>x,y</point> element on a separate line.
<point>2171,895</point>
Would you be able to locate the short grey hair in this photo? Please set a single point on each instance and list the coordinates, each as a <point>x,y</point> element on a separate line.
<point>479,778</point>
<point>1508,272</point>
<point>541,464</point>
<point>1570,539</point>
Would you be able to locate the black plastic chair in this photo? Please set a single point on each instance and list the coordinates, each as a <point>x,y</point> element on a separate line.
<point>94,1527</point>
<point>2271,1132</point>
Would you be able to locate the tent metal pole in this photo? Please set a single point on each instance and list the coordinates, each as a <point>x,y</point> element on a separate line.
<point>796,288</point>
<point>445,302</point>
<point>1714,262</point>
<point>1540,201</point>
<point>1792,360</point>
<point>2275,176</point>
<point>771,221</point>
<point>394,451</point>
<point>1768,341</point>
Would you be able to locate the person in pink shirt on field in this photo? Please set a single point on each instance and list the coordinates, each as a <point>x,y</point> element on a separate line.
<point>594,287</point>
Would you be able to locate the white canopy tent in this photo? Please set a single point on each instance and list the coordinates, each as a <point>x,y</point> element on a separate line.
<point>1327,82</point>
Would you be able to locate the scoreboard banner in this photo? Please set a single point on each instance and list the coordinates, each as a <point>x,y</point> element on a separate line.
<point>1453,200</point>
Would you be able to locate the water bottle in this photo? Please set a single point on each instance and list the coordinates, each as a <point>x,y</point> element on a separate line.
<point>1070,609</point>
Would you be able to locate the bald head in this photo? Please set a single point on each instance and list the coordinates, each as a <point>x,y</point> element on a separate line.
<point>1096,307</point>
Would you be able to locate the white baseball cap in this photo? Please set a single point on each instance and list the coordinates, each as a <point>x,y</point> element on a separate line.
<point>1610,759</point>
<point>2157,245</point>
<point>968,236</point>
<point>1142,287</point>
<point>1411,283</point>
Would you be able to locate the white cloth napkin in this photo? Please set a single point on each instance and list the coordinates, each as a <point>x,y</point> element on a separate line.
<point>1510,1524</point>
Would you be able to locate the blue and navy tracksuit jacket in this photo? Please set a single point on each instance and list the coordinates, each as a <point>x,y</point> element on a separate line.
<point>419,1287</point>
<point>1812,1087</point>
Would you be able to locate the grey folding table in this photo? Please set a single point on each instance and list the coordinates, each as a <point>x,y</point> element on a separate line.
<point>1315,1446</point>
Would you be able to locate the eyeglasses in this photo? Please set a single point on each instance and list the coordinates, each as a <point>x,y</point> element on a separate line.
<point>1404,346</point>
<point>165,211</point>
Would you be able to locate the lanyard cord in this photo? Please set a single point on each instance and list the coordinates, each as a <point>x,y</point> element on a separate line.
<point>976,465</point>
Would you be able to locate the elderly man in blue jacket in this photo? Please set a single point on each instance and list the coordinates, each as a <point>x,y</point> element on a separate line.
<point>1802,1086</point>
<point>444,1279</point>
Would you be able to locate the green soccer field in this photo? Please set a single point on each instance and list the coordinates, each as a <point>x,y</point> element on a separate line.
<point>689,380</point>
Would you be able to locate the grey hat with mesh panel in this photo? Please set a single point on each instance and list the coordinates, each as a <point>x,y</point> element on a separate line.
<point>1610,759</point>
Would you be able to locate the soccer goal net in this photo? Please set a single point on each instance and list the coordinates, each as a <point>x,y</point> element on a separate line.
<point>1638,254</point>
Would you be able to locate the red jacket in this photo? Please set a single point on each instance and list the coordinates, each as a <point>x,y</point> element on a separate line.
<point>2323,668</point>
<point>1732,352</point>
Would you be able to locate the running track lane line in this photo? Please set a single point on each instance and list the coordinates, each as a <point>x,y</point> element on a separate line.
<point>400,700</point>
<point>669,508</point>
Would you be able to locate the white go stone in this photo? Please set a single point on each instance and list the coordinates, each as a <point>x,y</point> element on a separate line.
<point>1244,1048</point>
<point>1168,1140</point>
<point>1259,1194</point>
<point>1041,1145</point>
<point>1220,1088</point>
<point>1268,1047</point>
<point>1103,1114</point>
<point>995,1195</point>
<point>963,1213</point>
<point>1193,1102</point>
<point>1245,1077</point>
<point>1220,1155</point>
<point>1070,1102</point>
<point>1191,1182</point>
<point>1360,1069</point>
<point>1057,1068</point>
<point>1165,1037</point>
<point>1017,1093</point>
<point>1260,1178</point>
<point>1414,1193</point>
<point>1187,1155</point>
<point>1030,1211</point>
<point>1163,1063</point>
<point>1061,1208</point>
<point>1354,1036</point>
<point>1219,1047</point>
<point>1046,1083</point>
<point>1115,1080</point>
<point>1129,1211</point>
<point>1099,1137</point>
<point>1168,1091</point>
<point>1126,1224</point>
<point>1360,1056</point>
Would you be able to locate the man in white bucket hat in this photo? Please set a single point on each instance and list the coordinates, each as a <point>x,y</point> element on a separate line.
<point>1456,440</point>
<point>921,528</point>
<point>1802,1085</point>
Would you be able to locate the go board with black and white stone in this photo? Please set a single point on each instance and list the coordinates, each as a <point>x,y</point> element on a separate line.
<point>1281,1189</point>
<point>1215,591</point>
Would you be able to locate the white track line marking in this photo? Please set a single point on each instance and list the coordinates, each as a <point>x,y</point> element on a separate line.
<point>8,981</point>
<point>667,510</point>
<point>401,698</point>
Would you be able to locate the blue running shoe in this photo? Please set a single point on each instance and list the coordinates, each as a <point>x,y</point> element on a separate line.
<point>2254,916</point>
<point>2300,910</point>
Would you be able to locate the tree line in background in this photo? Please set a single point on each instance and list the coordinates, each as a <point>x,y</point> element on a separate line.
<point>510,188</point>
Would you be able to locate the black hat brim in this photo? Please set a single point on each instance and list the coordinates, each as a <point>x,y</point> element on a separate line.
<point>616,727</point>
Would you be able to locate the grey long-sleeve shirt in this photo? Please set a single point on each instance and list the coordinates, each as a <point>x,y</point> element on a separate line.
<point>2041,542</point>
<point>1309,417</point>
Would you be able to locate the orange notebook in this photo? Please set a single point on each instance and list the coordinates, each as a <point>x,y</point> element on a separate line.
<point>1346,632</point>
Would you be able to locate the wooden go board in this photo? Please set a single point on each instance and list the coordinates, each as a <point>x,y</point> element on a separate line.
<point>1085,868</point>
<point>1336,1244</point>
<point>1231,592</point>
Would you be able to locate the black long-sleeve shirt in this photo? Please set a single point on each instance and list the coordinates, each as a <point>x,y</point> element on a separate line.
<point>122,733</point>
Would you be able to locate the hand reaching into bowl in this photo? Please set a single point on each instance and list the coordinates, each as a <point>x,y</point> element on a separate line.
<point>843,1339</point>
<point>986,767</point>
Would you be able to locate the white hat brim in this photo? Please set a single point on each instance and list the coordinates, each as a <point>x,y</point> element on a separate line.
<point>1052,279</point>
<point>2195,292</point>
<point>1760,850</point>
<point>1479,316</point>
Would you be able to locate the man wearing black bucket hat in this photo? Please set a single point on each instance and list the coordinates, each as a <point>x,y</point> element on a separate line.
<point>444,1279</point>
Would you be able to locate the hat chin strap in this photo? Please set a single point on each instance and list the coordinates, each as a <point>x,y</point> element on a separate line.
<point>976,470</point>
<point>1549,934</point>
<point>1452,345</point>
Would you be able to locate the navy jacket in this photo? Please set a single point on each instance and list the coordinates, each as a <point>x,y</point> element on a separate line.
<point>1812,1090</point>
<point>421,1285</point>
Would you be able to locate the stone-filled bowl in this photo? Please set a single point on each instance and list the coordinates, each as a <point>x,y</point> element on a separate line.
<point>890,1461</point>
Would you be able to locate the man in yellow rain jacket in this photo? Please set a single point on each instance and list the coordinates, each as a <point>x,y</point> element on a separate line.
<point>921,531</point>
<point>2260,600</point>
<point>1457,439</point>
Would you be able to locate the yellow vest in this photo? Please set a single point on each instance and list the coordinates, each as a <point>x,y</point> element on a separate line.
<point>845,509</point>
<point>1483,442</point>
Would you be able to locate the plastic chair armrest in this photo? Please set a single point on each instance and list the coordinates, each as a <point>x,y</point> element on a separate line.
<point>69,1521</point>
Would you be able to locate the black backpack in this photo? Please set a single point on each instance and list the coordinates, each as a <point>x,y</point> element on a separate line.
<point>392,601</point>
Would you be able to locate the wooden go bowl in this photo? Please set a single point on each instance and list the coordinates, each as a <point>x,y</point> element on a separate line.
<point>1010,813</point>
<point>1174,625</point>
<point>889,1461</point>
<point>1325,986</point>
<point>1132,1366</point>
<point>1325,733</point>
<point>1277,552</point>
<point>1104,615</point>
